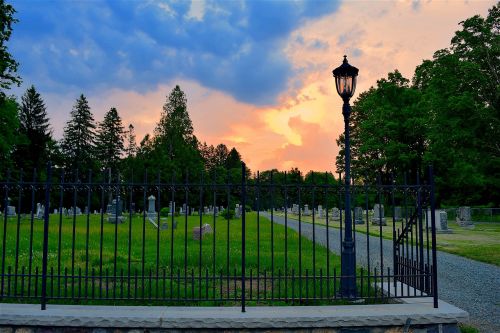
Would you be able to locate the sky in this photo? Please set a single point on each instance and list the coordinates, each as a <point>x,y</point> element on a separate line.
<point>257,74</point>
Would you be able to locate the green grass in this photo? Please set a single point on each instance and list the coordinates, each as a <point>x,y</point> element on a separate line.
<point>481,243</point>
<point>181,276</point>
<point>467,329</point>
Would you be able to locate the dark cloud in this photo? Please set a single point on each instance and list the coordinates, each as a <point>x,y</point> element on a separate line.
<point>236,47</point>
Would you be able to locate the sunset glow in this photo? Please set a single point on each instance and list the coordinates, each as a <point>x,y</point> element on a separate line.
<point>261,84</point>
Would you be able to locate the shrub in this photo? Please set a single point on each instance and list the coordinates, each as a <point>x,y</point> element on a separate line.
<point>164,211</point>
<point>248,208</point>
<point>227,214</point>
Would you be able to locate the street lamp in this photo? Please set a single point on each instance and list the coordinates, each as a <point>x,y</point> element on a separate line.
<point>345,81</point>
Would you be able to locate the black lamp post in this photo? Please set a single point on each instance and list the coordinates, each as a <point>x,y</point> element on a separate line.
<point>345,81</point>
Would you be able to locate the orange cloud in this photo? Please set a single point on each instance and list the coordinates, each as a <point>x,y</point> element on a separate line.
<point>300,131</point>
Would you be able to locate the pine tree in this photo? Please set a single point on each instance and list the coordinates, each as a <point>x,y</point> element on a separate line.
<point>233,159</point>
<point>175,146</point>
<point>78,140</point>
<point>109,140</point>
<point>175,126</point>
<point>33,151</point>
<point>131,149</point>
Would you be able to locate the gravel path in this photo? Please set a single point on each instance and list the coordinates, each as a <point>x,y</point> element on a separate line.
<point>467,284</point>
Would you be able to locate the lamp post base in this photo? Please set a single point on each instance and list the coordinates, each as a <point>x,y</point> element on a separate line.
<point>348,266</point>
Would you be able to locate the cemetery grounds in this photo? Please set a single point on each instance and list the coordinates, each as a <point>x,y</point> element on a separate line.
<point>480,241</point>
<point>86,253</point>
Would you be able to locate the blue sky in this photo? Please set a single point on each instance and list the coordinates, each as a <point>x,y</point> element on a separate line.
<point>232,46</point>
<point>257,74</point>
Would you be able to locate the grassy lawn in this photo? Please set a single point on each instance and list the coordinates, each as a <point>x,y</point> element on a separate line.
<point>166,264</point>
<point>481,243</point>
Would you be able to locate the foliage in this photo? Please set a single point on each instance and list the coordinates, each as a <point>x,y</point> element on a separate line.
<point>227,214</point>
<point>78,140</point>
<point>131,148</point>
<point>32,150</point>
<point>109,140</point>
<point>448,117</point>
<point>164,211</point>
<point>175,147</point>
<point>8,66</point>
<point>9,123</point>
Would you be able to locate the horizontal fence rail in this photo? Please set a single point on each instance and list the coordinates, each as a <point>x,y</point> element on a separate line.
<point>97,239</point>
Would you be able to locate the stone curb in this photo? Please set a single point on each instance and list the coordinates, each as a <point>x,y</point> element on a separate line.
<point>420,313</point>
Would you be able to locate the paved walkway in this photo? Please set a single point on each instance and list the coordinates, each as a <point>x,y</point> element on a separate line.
<point>467,284</point>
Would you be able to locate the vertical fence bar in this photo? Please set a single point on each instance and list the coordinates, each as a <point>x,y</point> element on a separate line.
<point>87,234</point>
<point>30,263</point>
<point>4,242</point>
<point>243,214</point>
<point>420,242</point>
<point>19,205</point>
<point>433,231</point>
<point>46,237</point>
<point>272,234</point>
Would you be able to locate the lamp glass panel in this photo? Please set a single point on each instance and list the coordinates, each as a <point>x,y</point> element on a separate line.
<point>344,85</point>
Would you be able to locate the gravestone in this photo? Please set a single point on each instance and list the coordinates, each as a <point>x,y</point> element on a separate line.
<point>65,211</point>
<point>40,211</point>
<point>151,205</point>
<point>86,210</point>
<point>397,214</point>
<point>164,225</point>
<point>441,219</point>
<point>335,213</point>
<point>151,212</point>
<point>116,212</point>
<point>78,211</point>
<point>295,209</point>
<point>307,212</point>
<point>378,215</point>
<point>237,211</point>
<point>11,211</point>
<point>464,218</point>
<point>56,211</point>
<point>443,222</point>
<point>358,215</point>
<point>199,232</point>
<point>320,211</point>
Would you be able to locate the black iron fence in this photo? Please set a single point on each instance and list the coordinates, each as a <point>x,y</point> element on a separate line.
<point>258,241</point>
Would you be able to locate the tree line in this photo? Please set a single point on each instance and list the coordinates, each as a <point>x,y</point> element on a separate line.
<point>447,115</point>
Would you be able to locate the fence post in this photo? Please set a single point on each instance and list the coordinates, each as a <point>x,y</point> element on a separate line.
<point>433,231</point>
<point>46,236</point>
<point>243,213</point>
<point>4,242</point>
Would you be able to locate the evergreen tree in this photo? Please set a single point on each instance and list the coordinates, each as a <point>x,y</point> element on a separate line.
<point>33,151</point>
<point>78,140</point>
<point>221,154</point>
<point>233,159</point>
<point>176,147</point>
<point>109,140</point>
<point>131,149</point>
